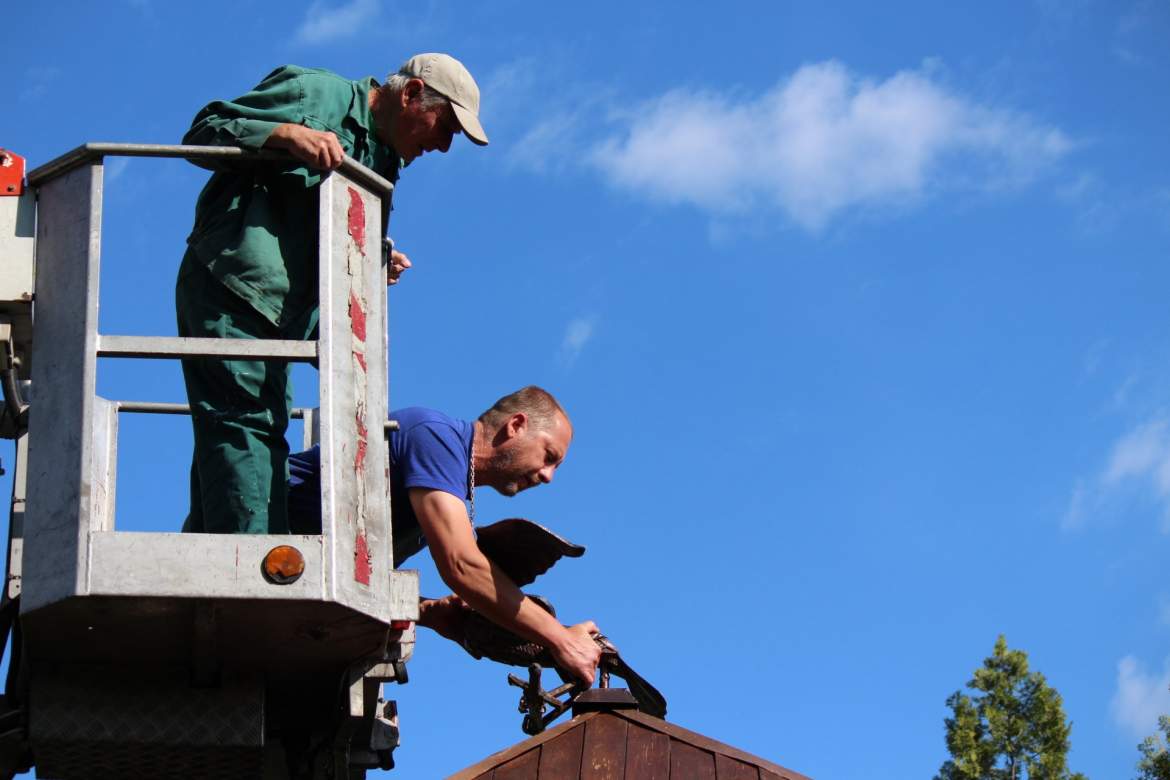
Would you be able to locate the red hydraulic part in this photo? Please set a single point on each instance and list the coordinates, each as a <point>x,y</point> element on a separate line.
<point>11,173</point>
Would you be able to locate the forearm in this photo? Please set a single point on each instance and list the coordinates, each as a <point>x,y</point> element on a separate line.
<point>488,590</point>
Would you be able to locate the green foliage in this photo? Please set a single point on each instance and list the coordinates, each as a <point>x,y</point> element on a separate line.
<point>1155,763</point>
<point>1011,727</point>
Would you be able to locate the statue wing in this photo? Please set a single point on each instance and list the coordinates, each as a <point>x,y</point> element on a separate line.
<point>524,549</point>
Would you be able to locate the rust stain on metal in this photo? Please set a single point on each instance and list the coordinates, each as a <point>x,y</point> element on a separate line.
<point>357,317</point>
<point>361,559</point>
<point>357,220</point>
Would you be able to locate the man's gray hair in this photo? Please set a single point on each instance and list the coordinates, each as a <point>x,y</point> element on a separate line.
<point>533,401</point>
<point>396,82</point>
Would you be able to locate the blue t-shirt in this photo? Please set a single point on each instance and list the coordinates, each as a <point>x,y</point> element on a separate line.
<point>429,450</point>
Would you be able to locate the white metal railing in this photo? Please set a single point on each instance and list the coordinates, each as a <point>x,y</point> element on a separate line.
<point>70,546</point>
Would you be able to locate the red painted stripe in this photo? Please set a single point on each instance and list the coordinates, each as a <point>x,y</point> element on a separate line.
<point>357,220</point>
<point>361,559</point>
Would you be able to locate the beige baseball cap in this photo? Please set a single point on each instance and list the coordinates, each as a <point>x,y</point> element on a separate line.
<point>447,76</point>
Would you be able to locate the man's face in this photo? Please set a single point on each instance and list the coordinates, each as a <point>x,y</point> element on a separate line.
<point>419,130</point>
<point>531,457</point>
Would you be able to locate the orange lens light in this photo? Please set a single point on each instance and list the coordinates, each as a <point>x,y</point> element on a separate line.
<point>284,565</point>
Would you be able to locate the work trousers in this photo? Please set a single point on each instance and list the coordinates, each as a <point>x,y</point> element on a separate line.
<point>239,410</point>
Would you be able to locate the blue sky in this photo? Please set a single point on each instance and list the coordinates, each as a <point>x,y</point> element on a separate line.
<point>860,311</point>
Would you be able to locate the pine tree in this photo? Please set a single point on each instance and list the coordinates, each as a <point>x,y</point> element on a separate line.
<point>1155,763</point>
<point>1011,727</point>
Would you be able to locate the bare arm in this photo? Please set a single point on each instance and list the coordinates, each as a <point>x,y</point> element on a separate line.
<point>488,590</point>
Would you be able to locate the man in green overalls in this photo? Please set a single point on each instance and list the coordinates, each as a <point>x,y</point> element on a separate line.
<point>250,270</point>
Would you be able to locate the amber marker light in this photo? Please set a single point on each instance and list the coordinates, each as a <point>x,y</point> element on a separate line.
<point>284,565</point>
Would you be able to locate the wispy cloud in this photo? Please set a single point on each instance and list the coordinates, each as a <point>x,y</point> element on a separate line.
<point>822,141</point>
<point>1124,390</point>
<point>508,89</point>
<point>1140,697</point>
<point>37,81</point>
<point>1094,356</point>
<point>114,168</point>
<point>1139,459</point>
<point>1076,516</point>
<point>1162,206</point>
<point>1141,28</point>
<point>578,333</point>
<point>572,113</point>
<point>326,22</point>
<point>1098,206</point>
<point>542,148</point>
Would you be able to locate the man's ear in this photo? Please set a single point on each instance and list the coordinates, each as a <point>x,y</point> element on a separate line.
<point>517,425</point>
<point>411,91</point>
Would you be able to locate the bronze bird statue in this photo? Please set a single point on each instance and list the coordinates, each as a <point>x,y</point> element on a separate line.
<point>524,550</point>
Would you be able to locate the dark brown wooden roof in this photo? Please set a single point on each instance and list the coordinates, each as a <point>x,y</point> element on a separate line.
<point>623,745</point>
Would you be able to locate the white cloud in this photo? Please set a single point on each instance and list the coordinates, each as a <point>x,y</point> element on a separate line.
<point>1139,459</point>
<point>114,168</point>
<point>1164,610</point>
<point>817,143</point>
<point>541,149</point>
<point>1076,516</point>
<point>1162,206</point>
<point>577,334</point>
<point>1095,355</point>
<point>1144,451</point>
<point>1140,697</point>
<point>324,23</point>
<point>508,89</point>
<point>38,79</point>
<point>1141,28</point>
<point>1097,207</point>
<point>1122,393</point>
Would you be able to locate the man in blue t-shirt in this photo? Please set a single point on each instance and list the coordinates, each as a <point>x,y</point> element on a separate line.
<point>436,462</point>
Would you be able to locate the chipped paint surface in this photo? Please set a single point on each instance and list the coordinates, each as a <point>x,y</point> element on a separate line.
<point>357,220</point>
<point>365,313</point>
<point>357,322</point>
<point>357,317</point>
<point>361,559</point>
<point>363,440</point>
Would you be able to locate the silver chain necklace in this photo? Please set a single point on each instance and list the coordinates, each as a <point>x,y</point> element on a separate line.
<point>471,478</point>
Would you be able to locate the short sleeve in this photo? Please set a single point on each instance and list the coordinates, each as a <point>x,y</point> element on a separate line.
<point>434,456</point>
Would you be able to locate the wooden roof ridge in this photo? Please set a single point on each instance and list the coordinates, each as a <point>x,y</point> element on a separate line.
<point>707,743</point>
<point>674,752</point>
<point>507,754</point>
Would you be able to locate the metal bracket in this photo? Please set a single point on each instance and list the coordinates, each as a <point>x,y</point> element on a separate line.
<point>535,699</point>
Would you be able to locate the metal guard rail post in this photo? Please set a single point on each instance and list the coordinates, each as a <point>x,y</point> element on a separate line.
<point>71,548</point>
